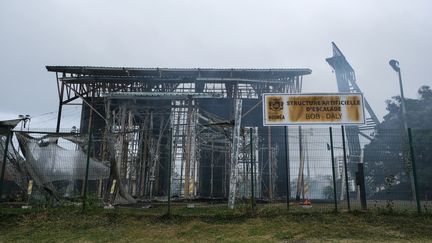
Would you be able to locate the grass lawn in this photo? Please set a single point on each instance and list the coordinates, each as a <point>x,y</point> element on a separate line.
<point>269,224</point>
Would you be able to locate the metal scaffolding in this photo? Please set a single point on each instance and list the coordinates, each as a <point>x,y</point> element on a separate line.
<point>134,111</point>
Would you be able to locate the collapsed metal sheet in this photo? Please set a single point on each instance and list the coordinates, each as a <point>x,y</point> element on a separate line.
<point>7,125</point>
<point>54,163</point>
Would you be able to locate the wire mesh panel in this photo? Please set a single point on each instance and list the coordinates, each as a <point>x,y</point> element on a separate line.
<point>422,139</point>
<point>138,166</point>
<point>214,159</point>
<point>388,171</point>
<point>309,176</point>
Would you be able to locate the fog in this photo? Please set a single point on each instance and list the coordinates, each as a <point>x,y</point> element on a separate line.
<point>215,34</point>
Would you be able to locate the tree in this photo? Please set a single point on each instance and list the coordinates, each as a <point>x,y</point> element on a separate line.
<point>387,155</point>
<point>425,92</point>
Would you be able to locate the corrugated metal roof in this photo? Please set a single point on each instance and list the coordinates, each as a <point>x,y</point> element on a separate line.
<point>180,72</point>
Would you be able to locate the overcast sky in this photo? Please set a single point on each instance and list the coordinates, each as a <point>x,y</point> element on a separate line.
<point>204,33</point>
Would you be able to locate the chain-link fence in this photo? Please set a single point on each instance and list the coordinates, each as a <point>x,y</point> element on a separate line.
<point>320,168</point>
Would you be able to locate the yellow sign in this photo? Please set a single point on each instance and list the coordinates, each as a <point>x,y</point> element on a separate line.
<point>308,109</point>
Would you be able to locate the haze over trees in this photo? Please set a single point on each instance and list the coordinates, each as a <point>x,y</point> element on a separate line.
<point>387,158</point>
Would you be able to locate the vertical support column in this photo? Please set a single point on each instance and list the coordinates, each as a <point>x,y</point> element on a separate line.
<point>193,155</point>
<point>333,169</point>
<point>234,153</point>
<point>175,127</point>
<point>108,153</point>
<point>124,143</point>
<point>169,172</point>
<point>252,161</point>
<point>59,113</point>
<point>345,169</point>
<point>181,175</point>
<point>130,162</point>
<point>180,140</point>
<point>150,140</point>
<point>188,146</point>
<point>145,158</point>
<point>140,171</point>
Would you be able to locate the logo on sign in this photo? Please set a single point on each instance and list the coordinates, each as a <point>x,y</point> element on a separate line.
<point>275,107</point>
<point>276,104</point>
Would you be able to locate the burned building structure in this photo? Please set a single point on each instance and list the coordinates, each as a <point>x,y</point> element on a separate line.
<point>198,120</point>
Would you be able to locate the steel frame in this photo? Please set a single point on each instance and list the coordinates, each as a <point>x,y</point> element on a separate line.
<point>184,88</point>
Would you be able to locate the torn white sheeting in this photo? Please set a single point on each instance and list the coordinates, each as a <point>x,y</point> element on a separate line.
<point>54,163</point>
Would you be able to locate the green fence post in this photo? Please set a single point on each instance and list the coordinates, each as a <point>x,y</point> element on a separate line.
<point>333,169</point>
<point>169,173</point>
<point>414,171</point>
<point>252,169</point>
<point>3,169</point>
<point>346,169</point>
<point>87,167</point>
<point>361,183</point>
<point>287,168</point>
